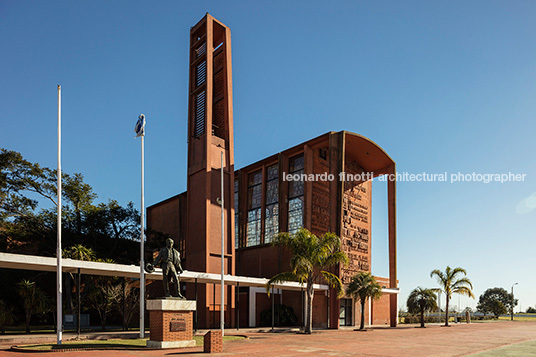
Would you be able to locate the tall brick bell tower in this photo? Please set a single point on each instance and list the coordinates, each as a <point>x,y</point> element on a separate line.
<point>210,132</point>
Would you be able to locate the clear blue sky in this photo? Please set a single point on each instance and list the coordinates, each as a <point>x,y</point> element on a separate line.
<point>441,86</point>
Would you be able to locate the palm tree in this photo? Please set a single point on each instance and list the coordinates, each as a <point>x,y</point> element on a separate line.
<point>421,300</point>
<point>311,255</point>
<point>79,252</point>
<point>33,300</point>
<point>450,284</point>
<point>362,287</point>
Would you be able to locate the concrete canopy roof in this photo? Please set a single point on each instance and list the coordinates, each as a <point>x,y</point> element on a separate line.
<point>370,156</point>
<point>38,263</point>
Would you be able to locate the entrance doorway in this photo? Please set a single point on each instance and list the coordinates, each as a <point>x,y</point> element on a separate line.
<point>345,313</point>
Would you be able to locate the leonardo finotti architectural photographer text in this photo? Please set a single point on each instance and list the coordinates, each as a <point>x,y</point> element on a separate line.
<point>410,177</point>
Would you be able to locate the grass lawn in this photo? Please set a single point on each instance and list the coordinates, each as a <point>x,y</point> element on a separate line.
<point>109,344</point>
<point>523,317</point>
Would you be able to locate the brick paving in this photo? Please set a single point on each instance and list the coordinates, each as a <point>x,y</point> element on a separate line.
<point>503,338</point>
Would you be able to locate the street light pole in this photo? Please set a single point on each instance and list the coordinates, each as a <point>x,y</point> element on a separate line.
<point>512,311</point>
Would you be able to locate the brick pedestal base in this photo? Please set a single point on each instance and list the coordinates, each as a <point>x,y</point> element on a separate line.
<point>213,342</point>
<point>171,323</point>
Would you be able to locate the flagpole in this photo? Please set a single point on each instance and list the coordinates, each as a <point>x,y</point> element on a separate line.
<point>222,310</point>
<point>142,246</point>
<point>59,311</point>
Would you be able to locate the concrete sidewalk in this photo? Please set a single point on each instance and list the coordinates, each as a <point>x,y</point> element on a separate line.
<point>503,338</point>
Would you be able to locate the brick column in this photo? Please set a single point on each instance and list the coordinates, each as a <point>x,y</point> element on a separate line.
<point>213,342</point>
<point>171,323</point>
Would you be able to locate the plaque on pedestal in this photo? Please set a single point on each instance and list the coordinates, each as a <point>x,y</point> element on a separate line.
<point>171,323</point>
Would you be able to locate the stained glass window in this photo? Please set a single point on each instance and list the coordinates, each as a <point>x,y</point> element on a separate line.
<point>271,220</point>
<point>253,233</point>
<point>295,194</point>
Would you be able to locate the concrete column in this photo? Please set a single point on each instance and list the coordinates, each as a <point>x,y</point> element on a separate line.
<point>370,312</point>
<point>251,307</point>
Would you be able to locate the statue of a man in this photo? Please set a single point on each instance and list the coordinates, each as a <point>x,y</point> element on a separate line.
<point>170,260</point>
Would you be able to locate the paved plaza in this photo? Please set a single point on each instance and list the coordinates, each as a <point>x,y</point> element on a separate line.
<point>503,338</point>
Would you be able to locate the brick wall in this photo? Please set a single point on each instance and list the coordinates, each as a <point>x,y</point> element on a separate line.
<point>380,308</point>
<point>262,261</point>
<point>163,322</point>
<point>320,310</point>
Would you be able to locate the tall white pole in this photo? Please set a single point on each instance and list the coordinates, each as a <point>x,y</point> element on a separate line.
<point>222,313</point>
<point>142,246</point>
<point>59,317</point>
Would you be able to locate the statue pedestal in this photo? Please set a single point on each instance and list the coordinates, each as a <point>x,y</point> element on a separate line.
<point>171,323</point>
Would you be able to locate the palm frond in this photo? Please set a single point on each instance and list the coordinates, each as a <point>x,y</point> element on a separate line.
<point>281,277</point>
<point>450,284</point>
<point>363,285</point>
<point>462,282</point>
<point>463,290</point>
<point>301,263</point>
<point>457,271</point>
<point>333,281</point>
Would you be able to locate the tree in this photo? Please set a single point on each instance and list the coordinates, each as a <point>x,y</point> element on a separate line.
<point>104,293</point>
<point>450,284</point>
<point>121,224</point>
<point>130,298</point>
<point>28,227</point>
<point>311,255</point>
<point>19,176</point>
<point>33,300</point>
<point>7,316</point>
<point>495,300</point>
<point>364,286</point>
<point>421,300</point>
<point>77,252</point>
<point>531,310</point>
<point>80,195</point>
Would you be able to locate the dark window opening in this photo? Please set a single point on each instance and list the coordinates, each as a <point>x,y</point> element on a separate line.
<point>323,154</point>
<point>201,50</point>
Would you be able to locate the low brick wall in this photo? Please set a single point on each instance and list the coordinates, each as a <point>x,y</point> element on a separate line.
<point>213,342</point>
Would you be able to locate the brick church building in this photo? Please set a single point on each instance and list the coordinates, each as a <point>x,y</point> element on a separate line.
<point>260,201</point>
